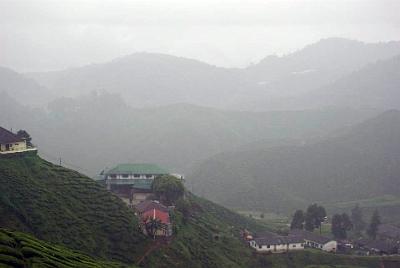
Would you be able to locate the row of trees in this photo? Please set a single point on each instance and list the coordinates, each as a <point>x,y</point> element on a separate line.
<point>309,220</point>
<point>342,223</point>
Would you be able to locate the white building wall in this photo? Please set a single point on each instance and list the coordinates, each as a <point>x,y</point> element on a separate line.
<point>15,146</point>
<point>331,246</point>
<point>276,248</point>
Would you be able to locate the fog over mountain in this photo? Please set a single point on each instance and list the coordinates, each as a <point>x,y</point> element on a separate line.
<point>176,136</point>
<point>146,79</point>
<point>359,163</point>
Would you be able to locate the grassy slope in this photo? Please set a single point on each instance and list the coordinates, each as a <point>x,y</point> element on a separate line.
<point>206,237</point>
<point>62,206</point>
<point>21,250</point>
<point>359,163</point>
<point>196,245</point>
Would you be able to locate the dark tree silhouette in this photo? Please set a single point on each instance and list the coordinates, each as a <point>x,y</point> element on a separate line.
<point>298,220</point>
<point>314,217</point>
<point>168,189</point>
<point>373,225</point>
<point>23,134</point>
<point>340,225</point>
<point>357,220</point>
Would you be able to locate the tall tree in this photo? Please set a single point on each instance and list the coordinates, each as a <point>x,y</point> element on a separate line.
<point>23,134</point>
<point>341,223</point>
<point>168,189</point>
<point>298,220</point>
<point>314,217</point>
<point>336,227</point>
<point>357,220</point>
<point>374,224</point>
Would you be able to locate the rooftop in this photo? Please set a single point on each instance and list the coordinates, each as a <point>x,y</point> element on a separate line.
<point>7,136</point>
<point>145,169</point>
<point>274,239</point>
<point>310,236</point>
<point>149,205</point>
<point>389,230</point>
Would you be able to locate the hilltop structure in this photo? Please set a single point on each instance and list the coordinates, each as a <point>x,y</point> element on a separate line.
<point>11,144</point>
<point>132,182</point>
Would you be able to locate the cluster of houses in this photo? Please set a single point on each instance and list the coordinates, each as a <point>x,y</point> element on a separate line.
<point>11,144</point>
<point>133,184</point>
<point>294,241</point>
<point>387,242</point>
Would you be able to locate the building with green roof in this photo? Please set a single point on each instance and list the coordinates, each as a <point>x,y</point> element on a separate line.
<point>145,170</point>
<point>132,182</point>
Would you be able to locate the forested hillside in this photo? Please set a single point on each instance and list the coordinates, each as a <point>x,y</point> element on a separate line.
<point>361,162</point>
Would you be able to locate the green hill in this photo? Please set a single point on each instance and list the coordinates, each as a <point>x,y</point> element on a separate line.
<point>207,236</point>
<point>359,163</point>
<point>21,250</point>
<point>64,207</point>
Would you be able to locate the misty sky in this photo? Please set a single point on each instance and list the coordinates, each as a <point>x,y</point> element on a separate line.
<point>38,35</point>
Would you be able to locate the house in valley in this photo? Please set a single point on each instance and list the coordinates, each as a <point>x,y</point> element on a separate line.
<point>11,144</point>
<point>313,240</point>
<point>273,243</point>
<point>150,211</point>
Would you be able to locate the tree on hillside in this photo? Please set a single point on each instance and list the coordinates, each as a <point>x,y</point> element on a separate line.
<point>373,225</point>
<point>24,135</point>
<point>357,220</point>
<point>314,217</point>
<point>298,220</point>
<point>168,189</point>
<point>340,225</point>
<point>152,226</point>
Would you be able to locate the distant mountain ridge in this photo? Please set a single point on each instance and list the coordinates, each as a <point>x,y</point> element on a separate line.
<point>22,88</point>
<point>362,162</point>
<point>147,79</point>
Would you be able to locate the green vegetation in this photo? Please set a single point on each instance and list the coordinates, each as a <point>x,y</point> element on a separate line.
<point>341,224</point>
<point>207,235</point>
<point>359,162</point>
<point>168,188</point>
<point>373,225</point>
<point>316,258</point>
<point>64,207</point>
<point>21,250</point>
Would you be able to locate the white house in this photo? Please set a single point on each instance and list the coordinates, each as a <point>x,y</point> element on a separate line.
<point>272,243</point>
<point>313,240</point>
<point>12,144</point>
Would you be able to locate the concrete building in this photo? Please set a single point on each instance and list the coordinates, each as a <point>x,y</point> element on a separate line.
<point>132,182</point>
<point>272,243</point>
<point>313,240</point>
